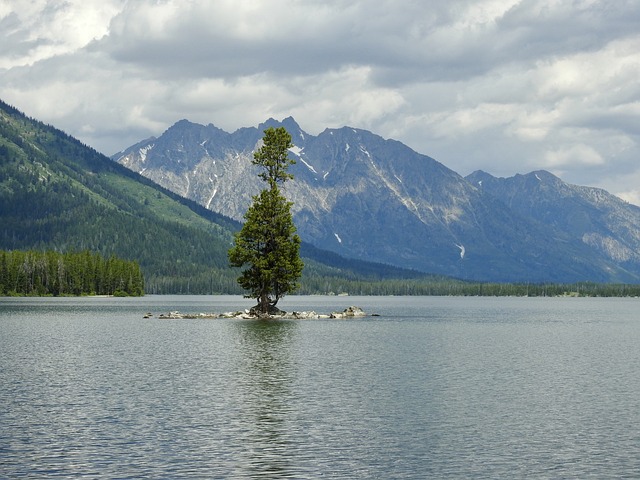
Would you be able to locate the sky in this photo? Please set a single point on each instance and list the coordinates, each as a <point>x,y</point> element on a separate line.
<point>504,86</point>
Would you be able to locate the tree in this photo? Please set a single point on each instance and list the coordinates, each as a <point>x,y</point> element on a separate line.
<point>268,242</point>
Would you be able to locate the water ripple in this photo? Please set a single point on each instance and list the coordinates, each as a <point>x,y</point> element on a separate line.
<point>444,388</point>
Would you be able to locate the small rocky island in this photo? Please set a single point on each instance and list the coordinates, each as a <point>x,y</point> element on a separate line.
<point>347,313</point>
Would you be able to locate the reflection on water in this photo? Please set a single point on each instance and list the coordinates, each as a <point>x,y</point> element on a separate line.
<point>434,388</point>
<point>264,378</point>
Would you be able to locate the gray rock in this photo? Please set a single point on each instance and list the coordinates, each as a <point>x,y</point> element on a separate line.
<point>349,312</point>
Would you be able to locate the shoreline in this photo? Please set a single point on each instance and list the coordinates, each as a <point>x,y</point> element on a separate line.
<point>349,312</point>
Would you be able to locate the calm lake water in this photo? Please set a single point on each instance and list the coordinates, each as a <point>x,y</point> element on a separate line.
<point>434,387</point>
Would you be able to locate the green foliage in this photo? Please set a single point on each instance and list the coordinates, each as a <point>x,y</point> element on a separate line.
<point>267,242</point>
<point>74,273</point>
<point>273,156</point>
<point>57,194</point>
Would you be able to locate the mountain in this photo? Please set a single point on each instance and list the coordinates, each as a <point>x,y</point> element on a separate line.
<point>368,198</point>
<point>609,226</point>
<point>58,194</point>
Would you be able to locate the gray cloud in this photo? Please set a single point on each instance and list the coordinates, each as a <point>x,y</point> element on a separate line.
<point>506,86</point>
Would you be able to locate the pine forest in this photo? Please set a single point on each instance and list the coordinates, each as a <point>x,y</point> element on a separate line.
<point>58,274</point>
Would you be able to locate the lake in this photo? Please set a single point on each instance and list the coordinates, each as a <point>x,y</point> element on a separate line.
<point>434,387</point>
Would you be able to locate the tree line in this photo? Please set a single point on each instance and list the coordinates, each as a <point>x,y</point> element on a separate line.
<point>72,273</point>
<point>316,281</point>
<point>441,286</point>
<point>57,194</point>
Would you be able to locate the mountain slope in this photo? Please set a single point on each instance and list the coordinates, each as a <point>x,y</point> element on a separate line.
<point>603,222</point>
<point>56,193</point>
<point>368,198</point>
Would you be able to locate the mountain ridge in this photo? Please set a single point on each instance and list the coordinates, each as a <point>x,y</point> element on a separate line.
<point>374,199</point>
<point>591,215</point>
<point>58,194</point>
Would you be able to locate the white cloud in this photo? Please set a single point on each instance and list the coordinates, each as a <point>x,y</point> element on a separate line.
<point>507,86</point>
<point>574,155</point>
<point>625,185</point>
<point>344,97</point>
<point>39,29</point>
<point>631,196</point>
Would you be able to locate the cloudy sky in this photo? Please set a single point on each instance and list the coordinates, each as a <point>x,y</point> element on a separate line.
<point>506,86</point>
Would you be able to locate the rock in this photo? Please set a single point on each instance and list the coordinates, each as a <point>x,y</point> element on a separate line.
<point>275,313</point>
<point>354,312</point>
<point>304,315</point>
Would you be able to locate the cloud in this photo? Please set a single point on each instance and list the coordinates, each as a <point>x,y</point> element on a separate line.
<point>230,39</point>
<point>631,196</point>
<point>39,29</point>
<point>507,86</point>
<point>625,185</point>
<point>574,155</point>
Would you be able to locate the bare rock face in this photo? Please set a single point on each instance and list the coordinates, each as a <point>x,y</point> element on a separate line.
<point>591,216</point>
<point>367,198</point>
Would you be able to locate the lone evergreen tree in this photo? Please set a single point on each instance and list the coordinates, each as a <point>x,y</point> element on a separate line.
<point>268,242</point>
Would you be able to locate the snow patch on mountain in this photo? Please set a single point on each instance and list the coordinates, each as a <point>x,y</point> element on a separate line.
<point>215,190</point>
<point>462,251</point>
<point>310,167</point>
<point>186,192</point>
<point>296,150</point>
<point>144,151</point>
<point>338,238</point>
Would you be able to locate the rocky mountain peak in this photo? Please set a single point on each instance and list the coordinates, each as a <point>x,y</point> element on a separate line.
<point>585,215</point>
<point>362,196</point>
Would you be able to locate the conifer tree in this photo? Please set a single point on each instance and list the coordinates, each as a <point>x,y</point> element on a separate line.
<point>267,243</point>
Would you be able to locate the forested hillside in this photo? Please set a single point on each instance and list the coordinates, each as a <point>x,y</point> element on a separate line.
<point>58,194</point>
<point>73,273</point>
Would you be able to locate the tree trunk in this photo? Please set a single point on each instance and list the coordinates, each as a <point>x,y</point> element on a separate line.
<point>264,304</point>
